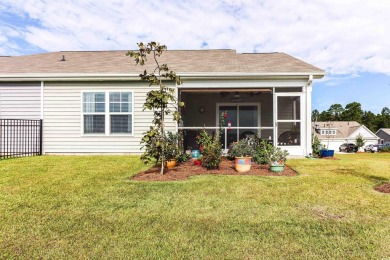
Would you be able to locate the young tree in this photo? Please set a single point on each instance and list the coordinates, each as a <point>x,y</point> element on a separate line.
<point>360,141</point>
<point>157,100</point>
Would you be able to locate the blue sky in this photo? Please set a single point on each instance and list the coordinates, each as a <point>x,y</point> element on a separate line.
<point>349,39</point>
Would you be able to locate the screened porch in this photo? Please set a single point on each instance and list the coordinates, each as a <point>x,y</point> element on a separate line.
<point>273,114</point>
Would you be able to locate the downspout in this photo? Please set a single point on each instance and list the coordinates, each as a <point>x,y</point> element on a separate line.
<point>42,128</point>
<point>309,138</point>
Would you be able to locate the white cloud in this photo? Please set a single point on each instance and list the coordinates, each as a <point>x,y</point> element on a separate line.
<point>348,36</point>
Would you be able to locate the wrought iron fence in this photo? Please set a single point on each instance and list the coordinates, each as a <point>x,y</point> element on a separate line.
<point>20,137</point>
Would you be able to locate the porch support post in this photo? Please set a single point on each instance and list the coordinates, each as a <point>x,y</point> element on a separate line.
<point>274,106</point>
<point>308,116</point>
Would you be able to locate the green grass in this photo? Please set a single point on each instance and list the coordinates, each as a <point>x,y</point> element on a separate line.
<point>70,207</point>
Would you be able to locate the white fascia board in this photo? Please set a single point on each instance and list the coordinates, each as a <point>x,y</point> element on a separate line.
<point>66,77</point>
<point>113,76</point>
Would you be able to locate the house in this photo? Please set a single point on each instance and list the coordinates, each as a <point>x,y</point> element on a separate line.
<point>333,134</point>
<point>91,101</point>
<point>384,135</point>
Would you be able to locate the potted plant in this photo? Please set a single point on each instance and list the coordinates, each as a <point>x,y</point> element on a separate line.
<point>242,151</point>
<point>276,158</point>
<point>171,150</point>
<point>325,151</point>
<point>198,160</point>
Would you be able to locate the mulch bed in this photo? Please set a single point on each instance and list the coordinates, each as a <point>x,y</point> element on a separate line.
<point>385,188</point>
<point>187,169</point>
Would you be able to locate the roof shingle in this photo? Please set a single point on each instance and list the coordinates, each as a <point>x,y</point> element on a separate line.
<point>181,61</point>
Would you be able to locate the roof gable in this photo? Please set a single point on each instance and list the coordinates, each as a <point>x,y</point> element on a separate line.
<point>384,130</point>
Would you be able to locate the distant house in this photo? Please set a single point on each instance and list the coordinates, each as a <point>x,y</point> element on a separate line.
<point>339,132</point>
<point>384,135</point>
<point>92,101</point>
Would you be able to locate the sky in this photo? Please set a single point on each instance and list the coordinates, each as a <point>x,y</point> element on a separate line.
<point>349,39</point>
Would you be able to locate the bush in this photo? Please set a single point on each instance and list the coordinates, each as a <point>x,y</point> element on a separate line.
<point>384,149</point>
<point>244,147</point>
<point>317,146</point>
<point>262,150</point>
<point>211,150</point>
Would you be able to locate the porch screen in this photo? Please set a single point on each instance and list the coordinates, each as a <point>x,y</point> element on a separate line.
<point>242,119</point>
<point>289,120</point>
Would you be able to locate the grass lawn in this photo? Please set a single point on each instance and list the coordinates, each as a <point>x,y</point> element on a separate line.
<point>86,207</point>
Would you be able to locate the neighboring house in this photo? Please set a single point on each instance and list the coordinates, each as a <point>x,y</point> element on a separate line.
<point>384,135</point>
<point>339,132</point>
<point>91,102</point>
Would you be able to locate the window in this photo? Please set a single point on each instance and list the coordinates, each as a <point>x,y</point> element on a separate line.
<point>120,112</point>
<point>94,116</point>
<point>328,132</point>
<point>108,112</point>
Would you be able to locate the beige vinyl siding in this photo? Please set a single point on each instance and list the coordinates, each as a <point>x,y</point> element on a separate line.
<point>63,129</point>
<point>20,100</point>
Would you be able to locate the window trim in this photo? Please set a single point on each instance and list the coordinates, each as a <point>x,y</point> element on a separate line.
<point>328,131</point>
<point>107,114</point>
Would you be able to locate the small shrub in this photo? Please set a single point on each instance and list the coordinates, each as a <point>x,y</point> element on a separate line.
<point>262,150</point>
<point>317,146</point>
<point>244,147</point>
<point>385,149</point>
<point>360,142</point>
<point>211,150</point>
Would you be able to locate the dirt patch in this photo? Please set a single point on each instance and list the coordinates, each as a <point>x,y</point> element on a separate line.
<point>187,169</point>
<point>385,188</point>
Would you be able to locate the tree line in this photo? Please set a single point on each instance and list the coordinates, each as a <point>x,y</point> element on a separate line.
<point>354,112</point>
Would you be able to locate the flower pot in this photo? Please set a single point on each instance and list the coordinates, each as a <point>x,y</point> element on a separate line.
<point>197,162</point>
<point>326,153</point>
<point>243,164</point>
<point>170,164</point>
<point>277,168</point>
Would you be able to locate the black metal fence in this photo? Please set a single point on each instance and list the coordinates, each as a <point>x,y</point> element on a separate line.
<point>20,137</point>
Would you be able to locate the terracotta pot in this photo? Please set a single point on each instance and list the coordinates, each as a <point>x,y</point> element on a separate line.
<point>243,164</point>
<point>170,164</point>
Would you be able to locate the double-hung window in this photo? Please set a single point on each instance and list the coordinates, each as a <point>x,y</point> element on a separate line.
<point>94,112</point>
<point>108,112</point>
<point>120,112</point>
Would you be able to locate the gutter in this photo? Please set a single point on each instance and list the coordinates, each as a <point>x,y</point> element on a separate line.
<point>135,77</point>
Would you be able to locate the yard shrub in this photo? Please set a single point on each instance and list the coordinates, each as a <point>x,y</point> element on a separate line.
<point>385,149</point>
<point>211,150</point>
<point>244,147</point>
<point>360,141</point>
<point>317,146</point>
<point>262,150</point>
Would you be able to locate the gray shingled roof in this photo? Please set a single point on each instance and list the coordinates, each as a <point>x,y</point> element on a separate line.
<point>182,61</point>
<point>344,128</point>
<point>386,130</point>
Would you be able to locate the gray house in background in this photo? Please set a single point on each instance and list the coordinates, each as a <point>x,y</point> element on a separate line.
<point>384,135</point>
<point>91,102</point>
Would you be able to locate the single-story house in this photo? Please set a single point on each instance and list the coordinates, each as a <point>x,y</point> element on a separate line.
<point>384,135</point>
<point>333,134</point>
<point>91,101</point>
